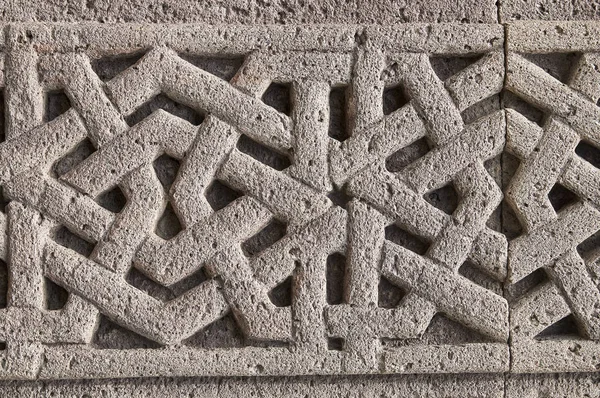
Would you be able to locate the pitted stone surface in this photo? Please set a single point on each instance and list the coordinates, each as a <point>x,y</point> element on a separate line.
<point>275,201</point>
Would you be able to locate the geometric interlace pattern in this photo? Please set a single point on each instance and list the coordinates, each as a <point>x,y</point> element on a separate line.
<point>196,200</point>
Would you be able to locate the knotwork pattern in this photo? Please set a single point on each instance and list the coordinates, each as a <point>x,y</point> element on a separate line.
<point>193,200</point>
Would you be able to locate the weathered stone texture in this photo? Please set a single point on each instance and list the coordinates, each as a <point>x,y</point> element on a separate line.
<point>548,10</point>
<point>326,209</point>
<point>250,11</point>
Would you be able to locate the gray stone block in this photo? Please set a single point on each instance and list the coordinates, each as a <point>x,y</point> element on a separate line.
<point>337,209</point>
<point>250,11</point>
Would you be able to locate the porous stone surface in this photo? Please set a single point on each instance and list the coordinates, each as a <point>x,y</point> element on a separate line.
<point>299,210</point>
<point>250,11</point>
<point>548,10</point>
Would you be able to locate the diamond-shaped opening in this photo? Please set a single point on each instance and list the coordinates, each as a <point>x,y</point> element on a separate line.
<point>389,294</point>
<point>278,96</point>
<point>339,198</point>
<point>108,67</point>
<point>335,344</point>
<point>222,67</point>
<point>168,225</point>
<point>66,238</point>
<point>566,327</point>
<point>338,113</point>
<point>55,296</point>
<point>394,98</point>
<point>405,156</point>
<point>263,153</point>
<point>162,101</point>
<point>166,168</point>
<point>443,330</point>
<point>335,278</point>
<point>471,272</point>
<point>2,111</point>
<point>3,284</point>
<point>109,335</point>
<point>533,114</point>
<point>57,103</point>
<point>517,290</point>
<point>444,198</point>
<point>265,238</point>
<point>220,195</point>
<point>281,295</point>
<point>561,197</point>
<point>444,67</point>
<point>113,200</point>
<point>409,241</point>
<point>589,153</point>
<point>557,65</point>
<point>493,167</point>
<point>511,225</point>
<point>222,333</point>
<point>82,151</point>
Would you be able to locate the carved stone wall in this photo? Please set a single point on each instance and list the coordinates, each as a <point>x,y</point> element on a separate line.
<point>303,209</point>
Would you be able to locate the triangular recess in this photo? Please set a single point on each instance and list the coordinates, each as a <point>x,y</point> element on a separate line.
<point>224,68</point>
<point>223,333</point>
<point>339,198</point>
<point>278,96</point>
<point>564,328</point>
<point>220,195</point>
<point>281,295</point>
<point>56,296</point>
<point>560,197</point>
<point>108,67</point>
<point>389,294</point>
<point>57,103</point>
<point>557,65</point>
<point>589,153</point>
<point>444,198</point>
<point>443,330</point>
<point>444,67</point>
<point>517,290</point>
<point>109,335</point>
<point>113,200</point>
<point>394,98</point>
